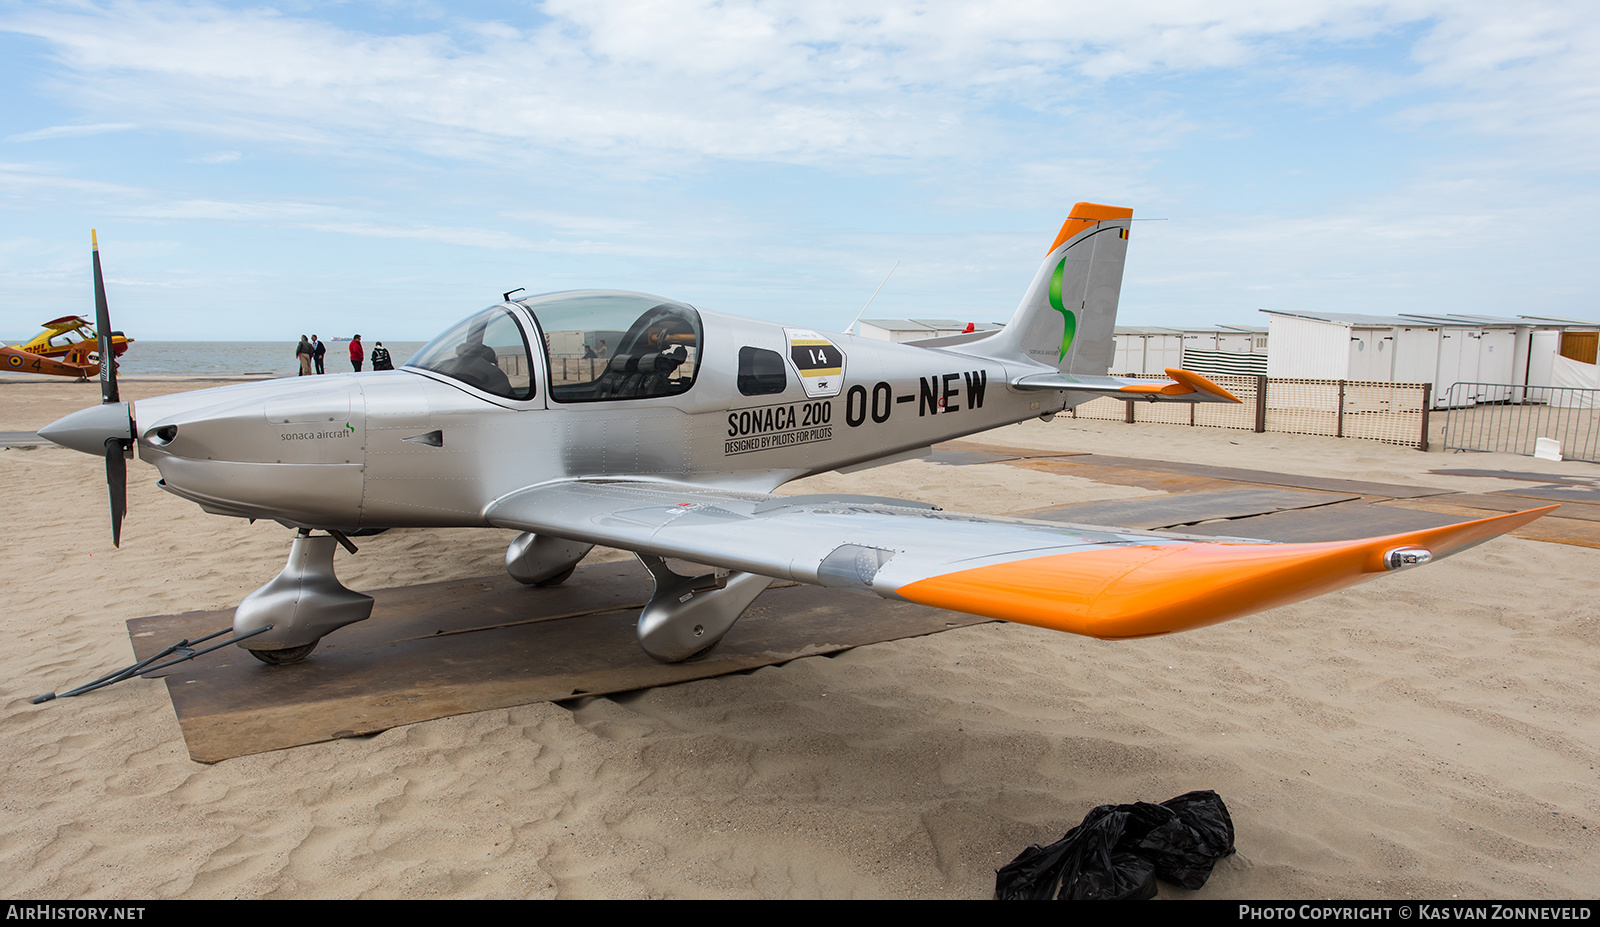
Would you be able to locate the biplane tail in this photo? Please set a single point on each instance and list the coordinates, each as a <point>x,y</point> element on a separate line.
<point>1066,319</point>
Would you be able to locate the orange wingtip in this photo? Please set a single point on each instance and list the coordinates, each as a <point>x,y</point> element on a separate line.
<point>1085,216</point>
<point>1122,592</point>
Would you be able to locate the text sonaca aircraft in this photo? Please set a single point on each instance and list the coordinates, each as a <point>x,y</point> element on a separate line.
<point>602,417</point>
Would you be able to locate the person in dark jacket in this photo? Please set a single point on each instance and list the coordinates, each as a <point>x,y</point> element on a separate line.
<point>318,349</point>
<point>302,356</point>
<point>380,357</point>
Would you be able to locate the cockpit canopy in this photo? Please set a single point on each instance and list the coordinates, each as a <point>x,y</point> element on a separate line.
<point>487,351</point>
<point>599,345</point>
<point>605,345</point>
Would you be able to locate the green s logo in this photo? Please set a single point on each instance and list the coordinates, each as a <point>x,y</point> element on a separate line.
<point>1069,318</point>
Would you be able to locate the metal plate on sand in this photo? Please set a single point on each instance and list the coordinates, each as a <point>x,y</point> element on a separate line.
<point>1190,508</point>
<point>442,649</point>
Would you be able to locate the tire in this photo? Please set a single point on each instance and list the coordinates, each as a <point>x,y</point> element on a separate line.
<point>559,578</point>
<point>286,656</point>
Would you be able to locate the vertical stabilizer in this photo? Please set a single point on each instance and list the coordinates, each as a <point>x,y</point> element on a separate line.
<point>1066,319</point>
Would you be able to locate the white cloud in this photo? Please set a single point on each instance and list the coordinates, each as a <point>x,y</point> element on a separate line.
<point>995,113</point>
<point>809,82</point>
<point>274,210</point>
<point>467,237</point>
<point>70,131</point>
<point>1529,72</point>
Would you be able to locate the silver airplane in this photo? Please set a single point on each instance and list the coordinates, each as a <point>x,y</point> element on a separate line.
<point>603,417</point>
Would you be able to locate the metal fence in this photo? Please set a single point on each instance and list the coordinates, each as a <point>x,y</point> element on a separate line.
<point>1568,415</point>
<point>1393,413</point>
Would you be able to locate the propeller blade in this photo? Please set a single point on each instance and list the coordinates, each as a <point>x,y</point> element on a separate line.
<point>117,482</point>
<point>102,326</point>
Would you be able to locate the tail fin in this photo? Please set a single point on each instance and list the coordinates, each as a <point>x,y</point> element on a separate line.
<point>1066,319</point>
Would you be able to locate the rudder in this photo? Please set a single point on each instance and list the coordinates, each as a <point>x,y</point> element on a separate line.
<point>1067,319</point>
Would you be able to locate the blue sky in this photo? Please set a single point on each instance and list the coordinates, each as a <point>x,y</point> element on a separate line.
<point>258,171</point>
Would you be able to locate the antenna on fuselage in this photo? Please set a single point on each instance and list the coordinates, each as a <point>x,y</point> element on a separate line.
<point>870,299</point>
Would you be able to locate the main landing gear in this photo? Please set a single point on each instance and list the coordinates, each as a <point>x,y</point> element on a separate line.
<point>300,604</point>
<point>686,617</point>
<point>536,560</point>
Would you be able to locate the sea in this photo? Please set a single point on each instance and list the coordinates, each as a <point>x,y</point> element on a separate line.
<point>231,358</point>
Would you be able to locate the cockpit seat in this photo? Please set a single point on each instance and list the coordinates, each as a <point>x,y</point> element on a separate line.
<point>613,384</point>
<point>477,365</point>
<point>656,371</point>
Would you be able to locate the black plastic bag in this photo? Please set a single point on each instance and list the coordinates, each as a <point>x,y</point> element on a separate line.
<point>1119,851</point>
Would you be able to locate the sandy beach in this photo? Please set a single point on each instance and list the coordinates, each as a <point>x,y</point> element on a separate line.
<point>1433,734</point>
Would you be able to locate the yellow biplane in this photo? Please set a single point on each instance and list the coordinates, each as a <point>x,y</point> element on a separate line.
<point>67,335</point>
<point>68,347</point>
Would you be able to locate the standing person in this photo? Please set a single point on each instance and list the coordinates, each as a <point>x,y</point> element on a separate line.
<point>318,349</point>
<point>303,355</point>
<point>357,354</point>
<point>380,357</point>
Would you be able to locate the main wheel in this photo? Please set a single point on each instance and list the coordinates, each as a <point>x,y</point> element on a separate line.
<point>286,656</point>
<point>559,578</point>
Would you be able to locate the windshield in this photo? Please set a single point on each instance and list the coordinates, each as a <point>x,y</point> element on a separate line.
<point>487,351</point>
<point>605,345</point>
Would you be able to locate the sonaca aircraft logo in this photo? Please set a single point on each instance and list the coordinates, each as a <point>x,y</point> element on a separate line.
<point>1069,327</point>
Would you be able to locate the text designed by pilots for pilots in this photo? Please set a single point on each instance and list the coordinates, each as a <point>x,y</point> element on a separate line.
<point>782,425</point>
<point>62,912</point>
<point>1421,911</point>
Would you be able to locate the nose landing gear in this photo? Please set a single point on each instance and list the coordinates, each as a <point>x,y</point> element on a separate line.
<point>301,604</point>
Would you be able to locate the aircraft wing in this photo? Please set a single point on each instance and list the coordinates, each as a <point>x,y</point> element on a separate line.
<point>1101,582</point>
<point>1184,386</point>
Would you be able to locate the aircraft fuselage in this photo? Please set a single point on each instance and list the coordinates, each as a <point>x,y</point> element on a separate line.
<point>415,448</point>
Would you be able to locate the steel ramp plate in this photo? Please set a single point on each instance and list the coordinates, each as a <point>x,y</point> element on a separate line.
<point>1568,493</point>
<point>1574,523</point>
<point>1190,508</point>
<point>442,649</point>
<point>1240,475</point>
<point>961,457</point>
<point>1524,475</point>
<point>1005,451</point>
<point>1346,521</point>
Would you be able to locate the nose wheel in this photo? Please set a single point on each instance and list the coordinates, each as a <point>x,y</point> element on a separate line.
<point>300,604</point>
<point>286,656</point>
